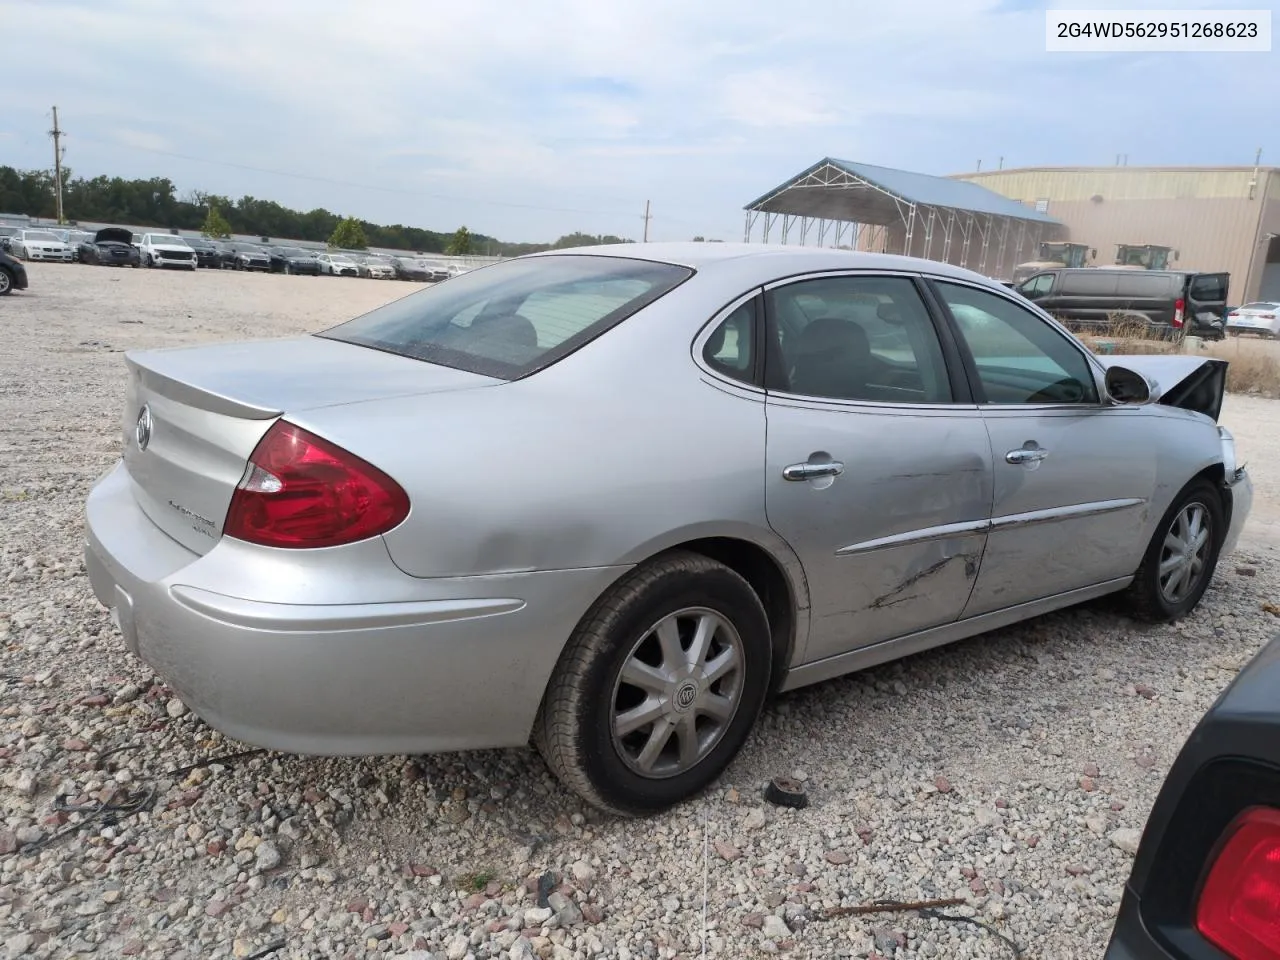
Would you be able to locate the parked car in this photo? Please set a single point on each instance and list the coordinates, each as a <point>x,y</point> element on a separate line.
<point>377,268</point>
<point>40,245</point>
<point>436,271</point>
<point>338,265</point>
<point>278,541</point>
<point>166,250</point>
<point>206,252</point>
<point>7,233</point>
<point>13,275</point>
<point>1167,302</point>
<point>244,256</point>
<point>416,270</point>
<point>294,260</point>
<point>1206,879</point>
<point>1261,318</point>
<point>110,246</point>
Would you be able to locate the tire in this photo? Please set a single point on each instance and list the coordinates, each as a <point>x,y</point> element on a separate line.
<point>574,729</point>
<point>6,283</point>
<point>1146,598</point>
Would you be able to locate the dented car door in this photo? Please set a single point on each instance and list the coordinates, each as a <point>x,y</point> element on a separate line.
<point>1074,476</point>
<point>878,471</point>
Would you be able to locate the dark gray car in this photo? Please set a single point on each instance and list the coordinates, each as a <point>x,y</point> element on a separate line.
<point>1168,302</point>
<point>1206,879</point>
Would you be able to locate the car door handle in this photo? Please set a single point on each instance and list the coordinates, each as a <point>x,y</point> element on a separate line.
<point>1024,455</point>
<point>811,471</point>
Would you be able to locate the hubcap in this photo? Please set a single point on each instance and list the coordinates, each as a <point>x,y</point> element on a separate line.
<point>4,281</point>
<point>1184,553</point>
<point>677,692</point>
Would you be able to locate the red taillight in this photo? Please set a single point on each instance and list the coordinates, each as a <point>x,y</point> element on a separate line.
<point>302,491</point>
<point>1266,316</point>
<point>1178,309</point>
<point>1239,908</point>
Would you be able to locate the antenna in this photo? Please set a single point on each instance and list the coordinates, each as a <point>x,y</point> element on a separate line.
<point>647,218</point>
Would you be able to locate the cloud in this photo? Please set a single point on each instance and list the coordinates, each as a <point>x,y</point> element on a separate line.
<point>437,113</point>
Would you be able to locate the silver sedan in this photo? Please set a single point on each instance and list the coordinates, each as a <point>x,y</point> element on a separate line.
<point>608,500</point>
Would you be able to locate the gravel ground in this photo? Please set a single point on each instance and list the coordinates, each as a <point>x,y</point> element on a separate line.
<point>1013,770</point>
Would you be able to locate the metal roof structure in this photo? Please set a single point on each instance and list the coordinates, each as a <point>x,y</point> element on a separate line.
<point>868,207</point>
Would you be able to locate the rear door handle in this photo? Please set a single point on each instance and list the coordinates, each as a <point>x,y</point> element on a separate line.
<point>811,471</point>
<point>1024,455</point>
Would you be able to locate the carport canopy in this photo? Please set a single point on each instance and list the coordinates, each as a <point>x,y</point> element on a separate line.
<point>864,193</point>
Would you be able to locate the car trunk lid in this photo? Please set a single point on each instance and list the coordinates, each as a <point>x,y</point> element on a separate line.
<point>194,415</point>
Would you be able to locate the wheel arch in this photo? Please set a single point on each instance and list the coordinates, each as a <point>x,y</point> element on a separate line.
<point>769,566</point>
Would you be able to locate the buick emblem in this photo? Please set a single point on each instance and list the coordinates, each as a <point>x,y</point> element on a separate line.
<point>142,429</point>
<point>685,696</point>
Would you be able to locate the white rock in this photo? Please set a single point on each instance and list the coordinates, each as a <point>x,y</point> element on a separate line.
<point>1127,839</point>
<point>458,947</point>
<point>754,820</point>
<point>19,944</point>
<point>775,927</point>
<point>267,856</point>
<point>175,708</point>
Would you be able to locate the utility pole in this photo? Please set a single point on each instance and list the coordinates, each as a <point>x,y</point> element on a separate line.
<point>56,133</point>
<point>647,218</point>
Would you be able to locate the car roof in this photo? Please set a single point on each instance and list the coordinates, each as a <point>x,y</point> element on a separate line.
<point>785,258</point>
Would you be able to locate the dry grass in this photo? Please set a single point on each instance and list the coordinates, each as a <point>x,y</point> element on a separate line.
<point>1124,335</point>
<point>1254,365</point>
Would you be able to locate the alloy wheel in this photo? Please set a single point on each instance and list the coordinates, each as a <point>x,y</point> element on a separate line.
<point>677,692</point>
<point>1185,552</point>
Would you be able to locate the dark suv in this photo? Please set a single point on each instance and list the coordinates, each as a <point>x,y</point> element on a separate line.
<point>13,275</point>
<point>1169,302</point>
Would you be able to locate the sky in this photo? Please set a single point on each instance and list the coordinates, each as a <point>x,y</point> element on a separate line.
<point>526,121</point>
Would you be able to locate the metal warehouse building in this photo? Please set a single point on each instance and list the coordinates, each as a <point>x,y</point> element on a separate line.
<point>1217,218</point>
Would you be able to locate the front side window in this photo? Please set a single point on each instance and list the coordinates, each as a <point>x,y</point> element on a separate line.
<point>515,317</point>
<point>1037,286</point>
<point>856,338</point>
<point>1020,358</point>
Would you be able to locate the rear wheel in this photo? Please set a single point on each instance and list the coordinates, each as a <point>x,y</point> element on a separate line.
<point>6,282</point>
<point>658,687</point>
<point>1181,556</point>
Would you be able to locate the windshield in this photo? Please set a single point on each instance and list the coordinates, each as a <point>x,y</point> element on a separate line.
<point>38,235</point>
<point>515,317</point>
<point>1260,306</point>
<point>168,241</point>
<point>295,252</point>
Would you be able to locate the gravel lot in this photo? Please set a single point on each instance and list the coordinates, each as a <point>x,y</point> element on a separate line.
<point>1013,770</point>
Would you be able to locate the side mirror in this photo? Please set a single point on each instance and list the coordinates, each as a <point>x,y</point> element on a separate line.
<point>1128,387</point>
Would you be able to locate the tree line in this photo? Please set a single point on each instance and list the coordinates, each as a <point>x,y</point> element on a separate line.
<point>155,202</point>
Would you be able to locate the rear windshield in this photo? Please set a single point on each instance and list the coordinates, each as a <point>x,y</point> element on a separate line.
<point>515,317</point>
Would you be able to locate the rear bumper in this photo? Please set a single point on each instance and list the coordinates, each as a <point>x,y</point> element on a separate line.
<point>335,651</point>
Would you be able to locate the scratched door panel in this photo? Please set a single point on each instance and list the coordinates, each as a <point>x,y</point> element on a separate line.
<point>1074,518</point>
<point>894,543</point>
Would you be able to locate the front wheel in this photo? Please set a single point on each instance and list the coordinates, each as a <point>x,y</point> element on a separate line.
<point>6,283</point>
<point>1181,556</point>
<point>658,687</point>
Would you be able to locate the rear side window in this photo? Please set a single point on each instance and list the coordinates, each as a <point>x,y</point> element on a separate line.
<point>515,317</point>
<point>1210,286</point>
<point>1087,283</point>
<point>730,349</point>
<point>1142,284</point>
